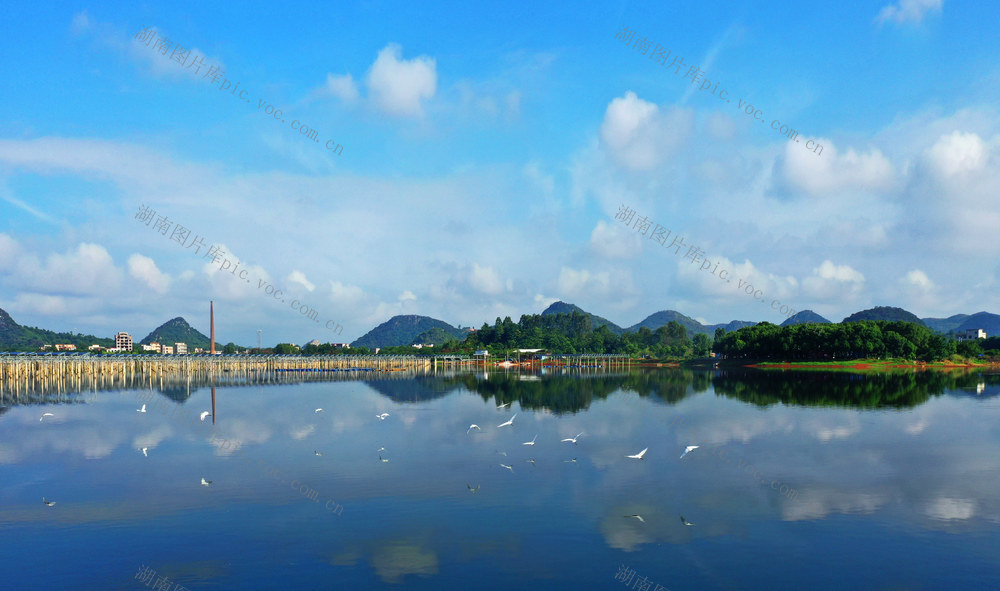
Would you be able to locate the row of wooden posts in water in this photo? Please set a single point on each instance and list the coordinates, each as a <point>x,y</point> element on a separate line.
<point>64,373</point>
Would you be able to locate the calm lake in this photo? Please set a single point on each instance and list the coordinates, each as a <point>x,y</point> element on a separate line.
<point>802,480</point>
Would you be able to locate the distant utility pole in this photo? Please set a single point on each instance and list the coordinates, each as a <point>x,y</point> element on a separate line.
<point>258,340</point>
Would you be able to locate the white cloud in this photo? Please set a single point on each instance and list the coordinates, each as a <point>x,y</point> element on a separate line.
<point>299,278</point>
<point>88,269</point>
<point>81,22</point>
<point>406,296</point>
<point>162,66</point>
<point>638,136</point>
<point>485,280</point>
<point>957,153</point>
<point>905,11</point>
<point>144,269</point>
<point>830,281</point>
<point>918,279</point>
<point>830,171</point>
<point>9,252</point>
<point>342,87</point>
<point>398,86</point>
<point>614,242</point>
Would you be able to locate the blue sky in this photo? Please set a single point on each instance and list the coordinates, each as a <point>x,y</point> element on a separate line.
<point>486,149</point>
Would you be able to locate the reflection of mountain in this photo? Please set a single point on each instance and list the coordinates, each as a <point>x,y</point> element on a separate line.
<point>861,390</point>
<point>417,389</point>
<point>575,392</point>
<point>178,393</point>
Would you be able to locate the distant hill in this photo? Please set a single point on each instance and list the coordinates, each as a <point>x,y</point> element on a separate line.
<point>403,330</point>
<point>664,317</point>
<point>14,337</point>
<point>884,313</point>
<point>945,325</point>
<point>984,320</point>
<point>728,327</point>
<point>564,308</point>
<point>805,317</point>
<point>438,336</point>
<point>177,330</point>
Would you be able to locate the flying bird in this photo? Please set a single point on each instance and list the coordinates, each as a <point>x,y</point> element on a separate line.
<point>531,461</point>
<point>318,453</point>
<point>382,416</point>
<point>510,422</point>
<point>143,409</point>
<point>143,449</point>
<point>383,459</point>
<point>319,410</point>
<point>381,449</point>
<point>205,414</point>
<point>573,439</point>
<point>532,442</point>
<point>504,405</point>
<point>46,414</point>
<point>639,455</point>
<point>639,517</point>
<point>685,521</point>
<point>503,453</point>
<point>573,461</point>
<point>49,503</point>
<point>472,490</point>
<point>471,427</point>
<point>688,449</point>
<point>205,482</point>
<point>511,468</point>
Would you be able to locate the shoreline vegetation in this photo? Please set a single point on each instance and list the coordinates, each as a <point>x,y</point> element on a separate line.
<point>860,345</point>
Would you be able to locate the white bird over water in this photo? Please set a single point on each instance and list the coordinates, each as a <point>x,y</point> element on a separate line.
<point>510,422</point>
<point>471,427</point>
<point>383,459</point>
<point>205,414</point>
<point>504,405</point>
<point>503,453</point>
<point>639,455</point>
<point>143,450</point>
<point>639,517</point>
<point>382,416</point>
<point>532,442</point>
<point>319,410</point>
<point>318,453</point>
<point>573,439</point>
<point>206,482</point>
<point>472,490</point>
<point>143,409</point>
<point>688,449</point>
<point>46,414</point>
<point>511,468</point>
<point>49,503</point>
<point>685,521</point>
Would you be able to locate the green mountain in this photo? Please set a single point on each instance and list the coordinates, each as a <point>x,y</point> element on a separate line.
<point>945,325</point>
<point>178,330</point>
<point>14,337</point>
<point>728,327</point>
<point>663,317</point>
<point>884,313</point>
<point>404,330</point>
<point>438,336</point>
<point>596,321</point>
<point>984,320</point>
<point>805,317</point>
